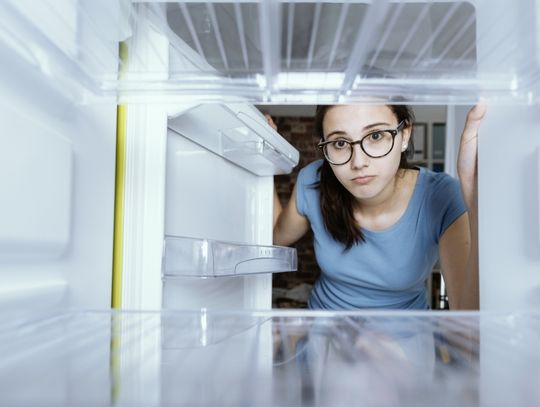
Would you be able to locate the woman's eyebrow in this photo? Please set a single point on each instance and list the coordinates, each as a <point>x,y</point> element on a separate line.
<point>368,127</point>
<point>336,133</point>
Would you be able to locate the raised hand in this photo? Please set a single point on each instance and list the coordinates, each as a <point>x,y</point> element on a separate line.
<point>270,121</point>
<point>468,152</point>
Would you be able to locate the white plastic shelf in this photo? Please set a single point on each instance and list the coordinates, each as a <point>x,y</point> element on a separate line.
<point>272,358</point>
<point>240,134</point>
<point>203,258</point>
<point>284,51</point>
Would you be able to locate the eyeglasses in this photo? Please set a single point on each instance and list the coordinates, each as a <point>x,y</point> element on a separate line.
<point>376,144</point>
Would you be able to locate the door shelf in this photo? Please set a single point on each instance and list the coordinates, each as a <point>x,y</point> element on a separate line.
<point>204,258</point>
<point>240,134</point>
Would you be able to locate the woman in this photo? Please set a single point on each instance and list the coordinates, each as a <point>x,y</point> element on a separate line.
<point>379,225</point>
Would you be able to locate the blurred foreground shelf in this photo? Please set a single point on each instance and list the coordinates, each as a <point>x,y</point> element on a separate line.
<point>270,358</point>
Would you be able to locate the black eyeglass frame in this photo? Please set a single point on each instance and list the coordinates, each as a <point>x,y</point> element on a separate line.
<point>393,132</point>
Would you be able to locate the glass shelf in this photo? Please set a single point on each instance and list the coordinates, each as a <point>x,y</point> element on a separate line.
<point>283,51</point>
<point>204,258</point>
<point>270,358</point>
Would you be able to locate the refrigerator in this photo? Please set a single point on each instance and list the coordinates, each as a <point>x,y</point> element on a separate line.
<point>136,252</point>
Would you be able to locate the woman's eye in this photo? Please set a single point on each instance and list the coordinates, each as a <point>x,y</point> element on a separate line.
<point>375,136</point>
<point>340,144</point>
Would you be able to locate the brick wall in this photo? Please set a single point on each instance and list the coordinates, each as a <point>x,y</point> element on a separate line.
<point>299,132</point>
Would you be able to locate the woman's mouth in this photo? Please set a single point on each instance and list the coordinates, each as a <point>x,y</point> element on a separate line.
<point>363,180</point>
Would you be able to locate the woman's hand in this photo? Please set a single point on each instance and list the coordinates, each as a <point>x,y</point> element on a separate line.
<point>270,121</point>
<point>468,151</point>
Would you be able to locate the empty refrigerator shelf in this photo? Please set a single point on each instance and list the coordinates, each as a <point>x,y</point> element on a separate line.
<point>238,133</point>
<point>270,358</point>
<point>283,51</point>
<point>191,257</point>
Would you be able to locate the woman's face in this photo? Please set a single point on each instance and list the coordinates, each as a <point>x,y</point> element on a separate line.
<point>366,178</point>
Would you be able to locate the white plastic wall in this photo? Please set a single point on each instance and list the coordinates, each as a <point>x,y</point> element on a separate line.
<point>509,208</point>
<point>209,197</point>
<point>508,175</point>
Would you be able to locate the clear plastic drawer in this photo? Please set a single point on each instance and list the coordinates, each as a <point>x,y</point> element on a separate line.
<point>191,257</point>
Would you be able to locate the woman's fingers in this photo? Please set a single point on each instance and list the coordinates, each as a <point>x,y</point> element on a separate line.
<point>270,121</point>
<point>474,118</point>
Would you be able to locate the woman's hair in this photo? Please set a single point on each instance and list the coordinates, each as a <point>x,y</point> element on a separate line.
<point>337,204</point>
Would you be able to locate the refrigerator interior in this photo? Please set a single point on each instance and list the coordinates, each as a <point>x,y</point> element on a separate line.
<point>191,64</point>
<point>211,60</point>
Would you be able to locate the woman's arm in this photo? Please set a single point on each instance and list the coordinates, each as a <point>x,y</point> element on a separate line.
<point>468,176</point>
<point>277,207</point>
<point>289,224</point>
<point>458,247</point>
<point>454,252</point>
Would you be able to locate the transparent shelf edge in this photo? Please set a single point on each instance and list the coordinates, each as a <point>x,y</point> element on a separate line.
<point>206,258</point>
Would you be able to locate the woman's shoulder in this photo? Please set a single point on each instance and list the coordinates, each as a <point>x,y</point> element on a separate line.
<point>310,173</point>
<point>437,183</point>
<point>435,177</point>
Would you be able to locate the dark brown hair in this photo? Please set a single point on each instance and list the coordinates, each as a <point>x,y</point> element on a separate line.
<point>337,204</point>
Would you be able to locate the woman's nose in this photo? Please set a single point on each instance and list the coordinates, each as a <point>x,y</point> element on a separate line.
<point>359,159</point>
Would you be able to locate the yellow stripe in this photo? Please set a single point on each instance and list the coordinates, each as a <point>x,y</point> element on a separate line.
<point>115,357</point>
<point>118,244</point>
<point>121,115</point>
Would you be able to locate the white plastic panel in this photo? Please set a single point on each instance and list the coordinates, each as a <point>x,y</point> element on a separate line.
<point>56,214</point>
<point>281,359</point>
<point>54,19</point>
<point>57,164</point>
<point>291,51</point>
<point>508,209</point>
<point>52,36</point>
<point>189,257</point>
<point>36,167</point>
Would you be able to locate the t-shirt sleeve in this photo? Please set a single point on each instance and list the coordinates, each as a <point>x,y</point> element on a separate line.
<point>307,177</point>
<point>301,191</point>
<point>447,204</point>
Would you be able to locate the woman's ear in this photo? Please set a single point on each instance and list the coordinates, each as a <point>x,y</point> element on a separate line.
<point>406,136</point>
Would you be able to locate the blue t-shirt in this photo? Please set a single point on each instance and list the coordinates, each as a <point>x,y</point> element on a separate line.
<point>390,268</point>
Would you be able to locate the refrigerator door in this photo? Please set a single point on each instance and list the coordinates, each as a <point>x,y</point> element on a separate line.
<point>219,195</point>
<point>57,163</point>
<point>209,197</point>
